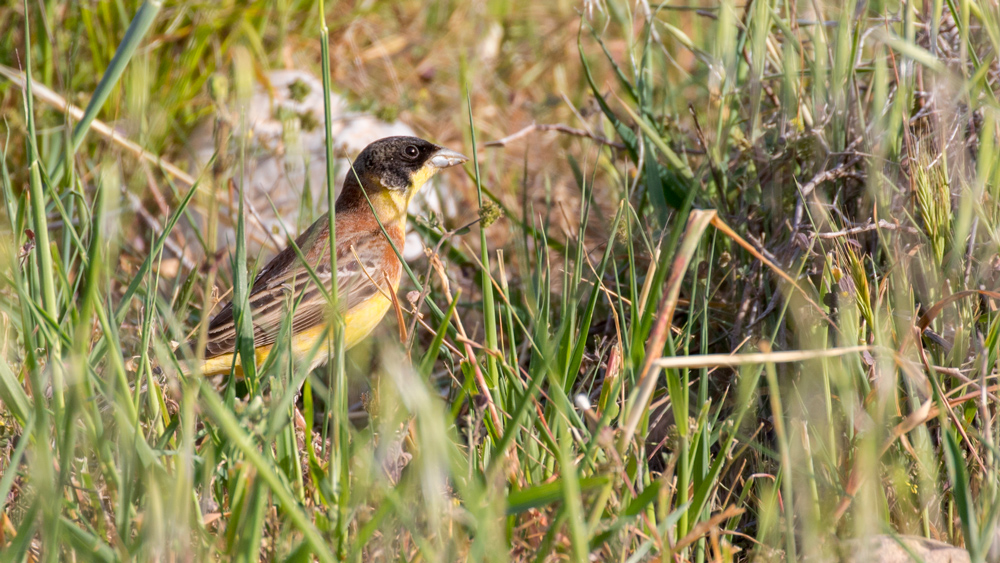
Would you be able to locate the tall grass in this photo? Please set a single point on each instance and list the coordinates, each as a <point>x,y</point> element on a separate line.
<point>601,374</point>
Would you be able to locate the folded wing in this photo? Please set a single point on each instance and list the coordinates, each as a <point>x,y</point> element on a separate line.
<point>285,285</point>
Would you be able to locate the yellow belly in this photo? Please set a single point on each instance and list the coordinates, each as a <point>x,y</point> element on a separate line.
<point>358,323</point>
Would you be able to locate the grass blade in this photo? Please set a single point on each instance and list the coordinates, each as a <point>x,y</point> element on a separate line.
<point>137,30</point>
<point>239,438</point>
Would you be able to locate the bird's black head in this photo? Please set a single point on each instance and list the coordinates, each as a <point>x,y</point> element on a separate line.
<point>402,163</point>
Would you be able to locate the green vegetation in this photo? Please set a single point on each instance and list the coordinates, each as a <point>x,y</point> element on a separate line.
<point>733,298</point>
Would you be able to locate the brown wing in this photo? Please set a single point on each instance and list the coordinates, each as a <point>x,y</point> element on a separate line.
<point>285,279</point>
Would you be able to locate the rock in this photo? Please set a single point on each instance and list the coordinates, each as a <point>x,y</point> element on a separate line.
<point>889,549</point>
<point>286,152</point>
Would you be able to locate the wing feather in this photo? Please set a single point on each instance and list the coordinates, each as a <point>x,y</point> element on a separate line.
<point>285,279</point>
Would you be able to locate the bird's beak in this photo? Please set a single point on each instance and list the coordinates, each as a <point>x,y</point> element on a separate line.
<point>444,158</point>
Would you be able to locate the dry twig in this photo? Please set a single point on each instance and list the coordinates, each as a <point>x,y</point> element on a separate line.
<point>869,226</point>
<point>566,129</point>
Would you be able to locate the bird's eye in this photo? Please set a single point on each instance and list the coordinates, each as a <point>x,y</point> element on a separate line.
<point>411,152</point>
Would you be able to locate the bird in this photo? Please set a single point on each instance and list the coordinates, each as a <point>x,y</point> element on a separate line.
<point>390,171</point>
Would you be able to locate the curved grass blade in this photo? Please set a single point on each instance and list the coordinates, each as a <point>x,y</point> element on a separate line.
<point>229,426</point>
<point>137,29</point>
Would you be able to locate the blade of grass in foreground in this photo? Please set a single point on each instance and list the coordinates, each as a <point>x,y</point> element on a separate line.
<point>958,474</point>
<point>781,437</point>
<point>241,299</point>
<point>123,305</point>
<point>11,392</point>
<point>576,359</point>
<point>41,265</point>
<point>489,307</point>
<point>137,29</point>
<point>636,406</point>
<point>7,480</point>
<point>547,493</point>
<point>340,463</point>
<point>427,363</point>
<point>43,251</point>
<point>231,428</point>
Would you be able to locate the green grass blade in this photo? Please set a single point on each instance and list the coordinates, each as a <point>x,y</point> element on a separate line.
<point>581,342</point>
<point>144,268</point>
<point>571,493</point>
<point>278,487</point>
<point>430,357</point>
<point>545,494</point>
<point>242,314</point>
<point>137,30</point>
<point>486,285</point>
<point>41,225</point>
<point>962,493</point>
